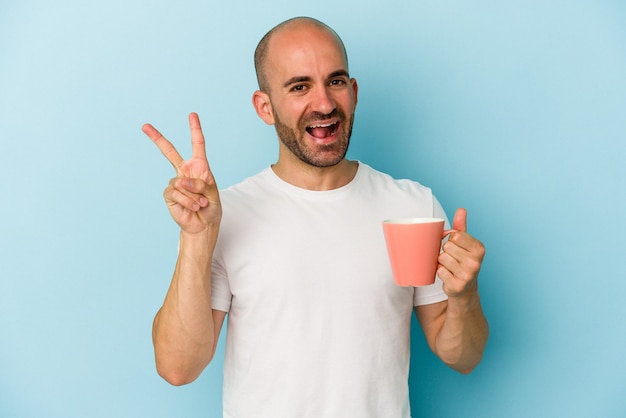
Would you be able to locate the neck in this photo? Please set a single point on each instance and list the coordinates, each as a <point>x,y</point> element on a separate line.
<point>310,177</point>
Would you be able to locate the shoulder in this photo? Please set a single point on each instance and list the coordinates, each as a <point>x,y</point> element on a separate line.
<point>384,182</point>
<point>248,187</point>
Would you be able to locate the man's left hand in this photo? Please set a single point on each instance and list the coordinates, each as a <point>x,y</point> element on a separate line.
<point>460,261</point>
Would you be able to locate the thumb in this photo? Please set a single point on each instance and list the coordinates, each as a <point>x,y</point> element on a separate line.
<point>460,220</point>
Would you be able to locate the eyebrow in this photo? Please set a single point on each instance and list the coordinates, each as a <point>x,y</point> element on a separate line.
<point>303,79</point>
<point>296,79</point>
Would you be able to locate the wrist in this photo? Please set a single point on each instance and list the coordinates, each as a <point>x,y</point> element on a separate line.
<point>202,242</point>
<point>210,231</point>
<point>463,303</point>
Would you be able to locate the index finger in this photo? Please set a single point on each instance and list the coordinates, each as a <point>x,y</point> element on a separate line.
<point>165,146</point>
<point>197,137</point>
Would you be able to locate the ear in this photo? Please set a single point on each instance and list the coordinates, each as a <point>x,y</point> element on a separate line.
<point>263,106</point>
<point>355,89</point>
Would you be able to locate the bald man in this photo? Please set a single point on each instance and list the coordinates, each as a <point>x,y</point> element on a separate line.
<point>295,257</point>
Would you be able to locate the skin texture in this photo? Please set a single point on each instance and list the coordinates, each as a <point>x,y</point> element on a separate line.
<point>307,85</point>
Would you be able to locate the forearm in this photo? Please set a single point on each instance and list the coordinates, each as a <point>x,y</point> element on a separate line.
<point>184,334</point>
<point>461,340</point>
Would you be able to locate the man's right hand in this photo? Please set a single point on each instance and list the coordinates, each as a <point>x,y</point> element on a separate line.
<point>192,196</point>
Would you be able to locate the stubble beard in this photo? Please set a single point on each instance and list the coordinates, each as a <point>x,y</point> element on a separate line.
<point>323,155</point>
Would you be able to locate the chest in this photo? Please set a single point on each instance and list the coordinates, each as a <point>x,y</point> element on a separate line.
<point>302,253</point>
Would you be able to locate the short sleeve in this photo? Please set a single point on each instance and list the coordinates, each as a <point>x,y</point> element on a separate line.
<point>221,295</point>
<point>425,295</point>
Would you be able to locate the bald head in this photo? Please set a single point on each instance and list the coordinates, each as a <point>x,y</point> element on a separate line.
<point>263,48</point>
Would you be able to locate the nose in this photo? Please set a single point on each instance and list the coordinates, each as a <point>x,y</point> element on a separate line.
<point>323,101</point>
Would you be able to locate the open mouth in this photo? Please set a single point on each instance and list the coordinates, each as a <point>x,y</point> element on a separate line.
<point>323,131</point>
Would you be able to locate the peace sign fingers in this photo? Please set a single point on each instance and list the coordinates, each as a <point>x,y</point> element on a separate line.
<point>165,146</point>
<point>197,137</point>
<point>197,166</point>
<point>192,196</point>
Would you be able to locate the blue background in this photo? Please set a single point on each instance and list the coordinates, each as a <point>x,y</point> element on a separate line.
<point>515,110</point>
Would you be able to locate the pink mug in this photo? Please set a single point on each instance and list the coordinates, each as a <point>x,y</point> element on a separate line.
<point>414,245</point>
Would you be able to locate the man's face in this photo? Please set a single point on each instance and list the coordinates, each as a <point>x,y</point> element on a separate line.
<point>312,96</point>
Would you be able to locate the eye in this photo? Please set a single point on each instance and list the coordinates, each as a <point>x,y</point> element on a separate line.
<point>298,88</point>
<point>338,82</point>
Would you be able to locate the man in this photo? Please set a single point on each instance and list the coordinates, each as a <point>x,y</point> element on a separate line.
<point>295,255</point>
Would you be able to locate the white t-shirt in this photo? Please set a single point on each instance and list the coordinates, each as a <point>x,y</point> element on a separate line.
<point>316,326</point>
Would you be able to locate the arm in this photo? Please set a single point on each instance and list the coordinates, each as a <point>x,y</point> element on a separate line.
<point>457,330</point>
<point>186,329</point>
